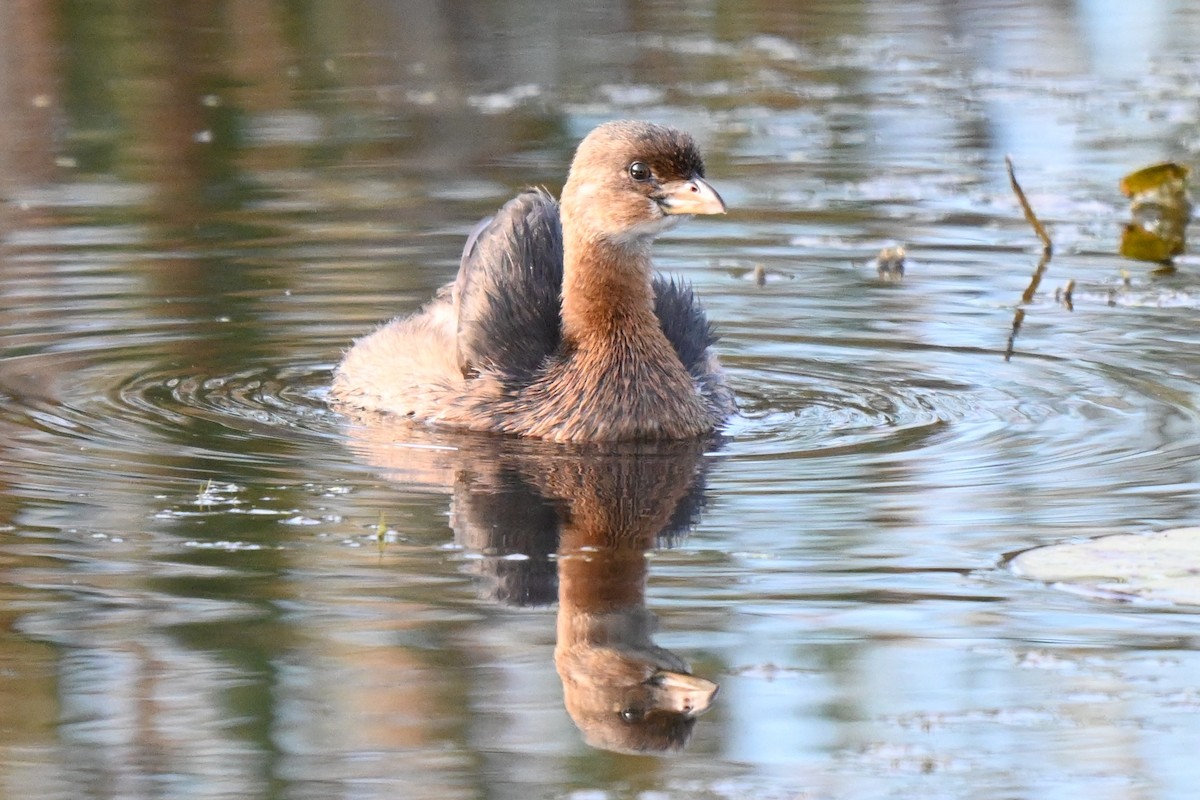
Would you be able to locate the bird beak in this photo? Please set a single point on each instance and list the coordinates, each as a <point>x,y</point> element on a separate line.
<point>683,693</point>
<point>693,196</point>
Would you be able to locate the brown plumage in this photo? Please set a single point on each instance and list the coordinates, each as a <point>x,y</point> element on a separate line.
<point>624,691</point>
<point>556,327</point>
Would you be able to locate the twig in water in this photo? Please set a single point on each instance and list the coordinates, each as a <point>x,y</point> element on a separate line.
<point>1030,217</point>
<point>1018,318</point>
<point>1038,228</point>
<point>1043,262</point>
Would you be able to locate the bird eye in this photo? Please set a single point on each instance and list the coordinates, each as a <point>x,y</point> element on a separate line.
<point>632,714</point>
<point>639,171</point>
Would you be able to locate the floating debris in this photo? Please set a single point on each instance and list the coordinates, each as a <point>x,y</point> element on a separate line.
<point>1161,210</point>
<point>1064,295</point>
<point>760,275</point>
<point>1160,568</point>
<point>889,264</point>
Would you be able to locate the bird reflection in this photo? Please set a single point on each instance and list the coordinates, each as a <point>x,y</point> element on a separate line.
<point>573,523</point>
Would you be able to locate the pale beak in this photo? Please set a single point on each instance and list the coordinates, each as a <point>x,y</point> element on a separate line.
<point>682,693</point>
<point>693,196</point>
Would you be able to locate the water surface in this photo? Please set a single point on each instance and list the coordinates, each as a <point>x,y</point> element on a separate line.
<point>211,585</point>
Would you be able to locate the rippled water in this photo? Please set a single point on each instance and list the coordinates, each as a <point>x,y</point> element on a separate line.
<point>211,585</point>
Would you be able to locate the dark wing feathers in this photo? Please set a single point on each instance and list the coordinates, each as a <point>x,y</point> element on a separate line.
<point>508,296</point>
<point>684,323</point>
<point>508,287</point>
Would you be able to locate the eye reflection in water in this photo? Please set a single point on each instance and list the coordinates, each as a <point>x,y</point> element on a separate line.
<point>583,517</point>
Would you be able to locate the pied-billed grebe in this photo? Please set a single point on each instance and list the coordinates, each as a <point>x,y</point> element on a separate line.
<point>556,327</point>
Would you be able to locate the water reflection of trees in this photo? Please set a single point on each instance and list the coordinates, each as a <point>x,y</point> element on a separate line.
<point>580,520</point>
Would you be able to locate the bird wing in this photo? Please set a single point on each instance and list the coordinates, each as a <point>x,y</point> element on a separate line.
<point>507,294</point>
<point>684,323</point>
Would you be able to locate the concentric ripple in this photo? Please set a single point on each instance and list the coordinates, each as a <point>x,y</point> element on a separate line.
<point>961,417</point>
<point>964,411</point>
<point>824,408</point>
<point>263,400</point>
<point>81,419</point>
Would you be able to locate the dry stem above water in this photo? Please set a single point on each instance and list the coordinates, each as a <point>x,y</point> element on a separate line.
<point>1043,262</point>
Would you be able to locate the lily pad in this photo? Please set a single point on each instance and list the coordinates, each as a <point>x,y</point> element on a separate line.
<point>1162,567</point>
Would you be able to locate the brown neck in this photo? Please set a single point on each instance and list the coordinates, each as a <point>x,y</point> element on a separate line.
<point>607,294</point>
